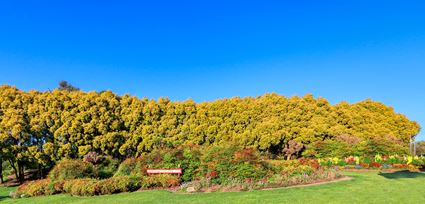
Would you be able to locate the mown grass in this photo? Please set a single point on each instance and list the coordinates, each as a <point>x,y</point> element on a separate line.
<point>366,187</point>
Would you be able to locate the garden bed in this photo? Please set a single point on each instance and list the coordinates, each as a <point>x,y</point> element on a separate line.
<point>277,181</point>
<point>379,170</point>
<point>204,170</point>
<point>342,178</point>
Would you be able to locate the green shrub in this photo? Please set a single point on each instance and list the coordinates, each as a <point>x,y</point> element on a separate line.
<point>325,162</point>
<point>218,162</point>
<point>71,169</point>
<point>186,157</point>
<point>160,180</point>
<point>248,171</point>
<point>367,160</point>
<point>131,167</point>
<point>224,163</point>
<point>191,163</point>
<point>36,188</point>
<point>342,163</point>
<point>394,160</point>
<point>107,167</point>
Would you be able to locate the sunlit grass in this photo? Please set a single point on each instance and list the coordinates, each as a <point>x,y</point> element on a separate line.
<point>366,187</point>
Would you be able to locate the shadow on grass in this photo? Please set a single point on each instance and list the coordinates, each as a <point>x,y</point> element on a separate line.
<point>3,197</point>
<point>402,174</point>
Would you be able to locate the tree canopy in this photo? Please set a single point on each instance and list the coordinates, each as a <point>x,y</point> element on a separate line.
<point>64,85</point>
<point>39,128</point>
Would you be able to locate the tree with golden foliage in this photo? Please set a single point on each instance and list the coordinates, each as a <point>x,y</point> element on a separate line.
<point>39,128</point>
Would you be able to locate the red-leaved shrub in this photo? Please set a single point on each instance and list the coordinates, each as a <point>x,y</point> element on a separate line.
<point>160,180</point>
<point>36,188</point>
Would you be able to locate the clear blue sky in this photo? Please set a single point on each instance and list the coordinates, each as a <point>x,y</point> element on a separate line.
<point>207,50</point>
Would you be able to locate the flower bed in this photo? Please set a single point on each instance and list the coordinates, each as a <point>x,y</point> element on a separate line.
<point>275,181</point>
<point>393,162</point>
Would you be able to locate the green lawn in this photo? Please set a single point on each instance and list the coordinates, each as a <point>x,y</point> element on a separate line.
<point>366,187</point>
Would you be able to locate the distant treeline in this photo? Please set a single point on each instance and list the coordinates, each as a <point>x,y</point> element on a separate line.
<point>39,128</point>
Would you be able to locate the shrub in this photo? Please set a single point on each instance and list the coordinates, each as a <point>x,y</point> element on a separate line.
<point>91,187</point>
<point>296,167</point>
<point>248,171</point>
<point>285,180</point>
<point>131,167</point>
<point>106,168</point>
<point>117,185</point>
<point>418,161</point>
<point>230,162</point>
<point>246,155</point>
<point>186,157</point>
<point>297,170</point>
<point>57,186</point>
<point>36,188</point>
<point>219,163</point>
<point>325,162</point>
<point>71,169</point>
<point>313,163</point>
<point>394,159</point>
<point>190,163</point>
<point>80,187</point>
<point>280,165</point>
<point>160,180</point>
<point>367,160</point>
<point>220,160</point>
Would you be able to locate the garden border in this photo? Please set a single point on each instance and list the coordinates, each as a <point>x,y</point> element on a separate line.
<point>344,178</point>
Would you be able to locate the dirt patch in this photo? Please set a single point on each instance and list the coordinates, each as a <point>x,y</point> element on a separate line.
<point>212,189</point>
<point>12,181</point>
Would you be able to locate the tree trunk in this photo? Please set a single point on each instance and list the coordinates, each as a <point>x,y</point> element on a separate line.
<point>12,164</point>
<point>40,171</point>
<point>1,170</point>
<point>288,157</point>
<point>21,172</point>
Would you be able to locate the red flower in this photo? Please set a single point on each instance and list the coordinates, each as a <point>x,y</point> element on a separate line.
<point>213,174</point>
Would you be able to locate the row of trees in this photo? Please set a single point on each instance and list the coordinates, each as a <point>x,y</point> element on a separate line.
<point>39,128</point>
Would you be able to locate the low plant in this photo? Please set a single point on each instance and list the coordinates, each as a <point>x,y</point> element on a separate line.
<point>117,185</point>
<point>106,168</point>
<point>160,180</point>
<point>36,188</point>
<point>131,167</point>
<point>80,187</point>
<point>72,169</point>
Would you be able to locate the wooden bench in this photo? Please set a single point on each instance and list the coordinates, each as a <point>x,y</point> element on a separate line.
<point>164,171</point>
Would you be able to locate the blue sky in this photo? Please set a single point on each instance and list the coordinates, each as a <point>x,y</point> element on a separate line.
<point>207,50</point>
